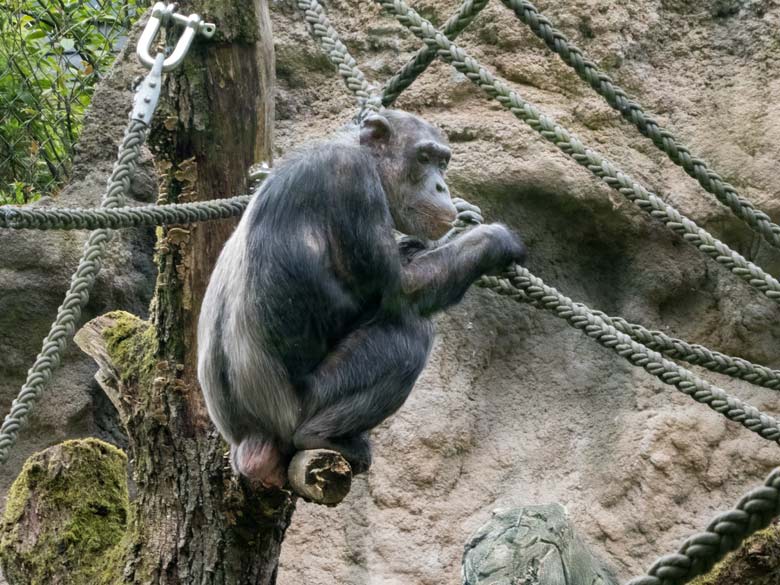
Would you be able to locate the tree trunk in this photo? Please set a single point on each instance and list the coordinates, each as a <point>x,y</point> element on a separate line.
<point>192,522</point>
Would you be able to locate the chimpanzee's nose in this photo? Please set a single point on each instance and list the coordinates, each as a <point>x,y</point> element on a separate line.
<point>441,187</point>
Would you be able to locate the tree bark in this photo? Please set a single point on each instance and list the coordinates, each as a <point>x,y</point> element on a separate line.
<point>192,521</point>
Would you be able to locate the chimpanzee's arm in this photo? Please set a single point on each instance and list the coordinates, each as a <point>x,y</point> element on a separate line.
<point>435,279</point>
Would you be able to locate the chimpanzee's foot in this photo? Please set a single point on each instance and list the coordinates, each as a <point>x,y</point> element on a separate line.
<point>260,461</point>
<point>356,450</point>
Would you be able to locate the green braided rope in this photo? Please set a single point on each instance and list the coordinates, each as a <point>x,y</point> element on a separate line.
<point>338,54</point>
<point>671,347</point>
<point>753,512</point>
<point>77,296</point>
<point>593,161</point>
<point>631,111</point>
<point>520,285</point>
<point>727,530</point>
<point>695,354</point>
<point>426,55</point>
<point>124,217</point>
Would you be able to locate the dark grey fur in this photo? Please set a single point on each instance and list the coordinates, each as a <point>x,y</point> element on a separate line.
<point>316,322</point>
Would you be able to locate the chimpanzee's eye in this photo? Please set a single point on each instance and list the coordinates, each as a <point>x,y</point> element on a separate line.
<point>443,163</point>
<point>423,158</point>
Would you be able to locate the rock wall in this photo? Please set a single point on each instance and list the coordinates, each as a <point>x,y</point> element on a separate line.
<point>516,408</point>
<point>35,272</point>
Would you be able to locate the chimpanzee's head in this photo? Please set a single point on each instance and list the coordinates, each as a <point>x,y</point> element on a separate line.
<point>412,159</point>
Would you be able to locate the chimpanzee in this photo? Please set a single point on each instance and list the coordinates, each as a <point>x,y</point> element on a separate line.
<point>317,322</point>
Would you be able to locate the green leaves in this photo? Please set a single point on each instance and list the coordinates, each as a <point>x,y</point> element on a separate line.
<point>52,53</point>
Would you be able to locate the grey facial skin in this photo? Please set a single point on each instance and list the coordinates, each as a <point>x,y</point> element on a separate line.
<point>317,322</point>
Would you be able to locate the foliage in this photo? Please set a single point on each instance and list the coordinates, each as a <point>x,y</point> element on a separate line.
<point>52,53</point>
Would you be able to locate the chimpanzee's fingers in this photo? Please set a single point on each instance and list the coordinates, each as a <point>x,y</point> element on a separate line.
<point>470,216</point>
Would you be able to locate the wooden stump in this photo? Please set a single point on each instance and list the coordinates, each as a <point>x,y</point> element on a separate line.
<point>320,476</point>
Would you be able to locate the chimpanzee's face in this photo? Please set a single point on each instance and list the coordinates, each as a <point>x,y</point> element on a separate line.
<point>413,158</point>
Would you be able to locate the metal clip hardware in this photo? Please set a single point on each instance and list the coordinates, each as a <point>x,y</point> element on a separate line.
<point>148,93</point>
<point>163,14</point>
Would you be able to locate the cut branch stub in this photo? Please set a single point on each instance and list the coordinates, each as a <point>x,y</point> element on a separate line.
<point>320,476</point>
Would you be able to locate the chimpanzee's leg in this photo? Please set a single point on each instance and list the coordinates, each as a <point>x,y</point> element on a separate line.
<point>434,279</point>
<point>365,380</point>
<point>356,448</point>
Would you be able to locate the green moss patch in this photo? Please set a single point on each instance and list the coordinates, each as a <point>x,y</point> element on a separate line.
<point>131,344</point>
<point>65,516</point>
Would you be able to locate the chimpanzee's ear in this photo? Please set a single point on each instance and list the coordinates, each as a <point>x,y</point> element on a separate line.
<point>374,130</point>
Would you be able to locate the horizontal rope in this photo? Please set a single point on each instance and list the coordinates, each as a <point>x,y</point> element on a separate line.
<point>426,55</point>
<point>633,112</point>
<point>122,217</point>
<point>590,159</point>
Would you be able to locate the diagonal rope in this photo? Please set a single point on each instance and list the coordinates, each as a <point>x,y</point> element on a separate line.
<point>467,12</point>
<point>338,54</point>
<point>699,553</point>
<point>670,347</point>
<point>522,286</point>
<point>695,354</point>
<point>77,296</point>
<point>590,159</point>
<point>123,217</point>
<point>633,112</point>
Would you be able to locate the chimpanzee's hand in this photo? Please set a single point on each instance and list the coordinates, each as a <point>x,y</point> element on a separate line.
<point>505,245</point>
<point>468,213</point>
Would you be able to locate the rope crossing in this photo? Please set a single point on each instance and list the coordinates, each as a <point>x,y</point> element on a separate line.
<point>426,55</point>
<point>69,313</point>
<point>590,159</point>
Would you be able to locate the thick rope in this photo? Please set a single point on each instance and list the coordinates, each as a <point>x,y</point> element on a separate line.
<point>672,347</point>
<point>124,217</point>
<point>337,53</point>
<point>698,355</point>
<point>426,55</point>
<point>523,286</point>
<point>727,530</point>
<point>77,296</point>
<point>184,213</point>
<point>633,112</point>
<point>593,161</point>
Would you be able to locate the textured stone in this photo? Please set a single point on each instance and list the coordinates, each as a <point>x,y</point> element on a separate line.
<point>515,407</point>
<point>534,545</point>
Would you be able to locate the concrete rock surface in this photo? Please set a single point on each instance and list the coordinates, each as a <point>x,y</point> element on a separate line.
<point>516,408</point>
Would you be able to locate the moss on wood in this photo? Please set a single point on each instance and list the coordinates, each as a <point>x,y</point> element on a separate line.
<point>132,346</point>
<point>66,515</point>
